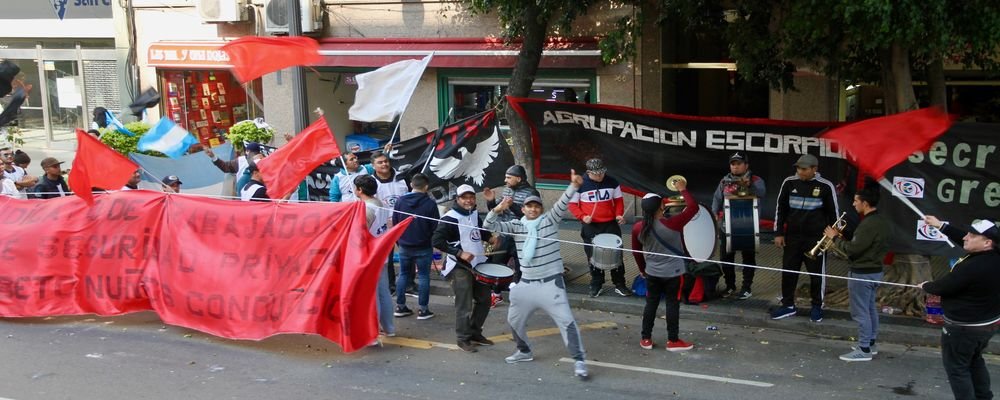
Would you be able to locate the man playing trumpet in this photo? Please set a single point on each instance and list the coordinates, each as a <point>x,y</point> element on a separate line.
<point>807,204</point>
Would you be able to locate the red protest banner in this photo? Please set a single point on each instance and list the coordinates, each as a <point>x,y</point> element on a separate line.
<point>233,269</point>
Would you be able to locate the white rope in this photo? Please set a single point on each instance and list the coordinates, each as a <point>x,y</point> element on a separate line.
<point>623,248</point>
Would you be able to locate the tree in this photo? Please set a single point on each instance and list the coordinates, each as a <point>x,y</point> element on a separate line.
<point>855,41</point>
<point>531,21</point>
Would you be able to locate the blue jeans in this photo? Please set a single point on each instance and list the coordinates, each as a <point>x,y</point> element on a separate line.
<point>422,258</point>
<point>864,311</point>
<point>383,304</point>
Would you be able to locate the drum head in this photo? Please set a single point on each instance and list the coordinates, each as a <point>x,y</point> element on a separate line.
<point>608,240</point>
<point>494,270</point>
<point>699,235</point>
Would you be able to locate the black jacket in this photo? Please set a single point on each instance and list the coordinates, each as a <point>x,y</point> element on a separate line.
<point>447,239</point>
<point>970,293</point>
<point>419,233</point>
<point>805,208</point>
<point>49,189</point>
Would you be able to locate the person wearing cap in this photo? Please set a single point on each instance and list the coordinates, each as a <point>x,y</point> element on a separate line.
<point>172,183</point>
<point>237,166</point>
<point>365,188</point>
<point>600,207</point>
<point>807,204</point>
<point>865,251</point>
<point>415,248</point>
<point>542,285</point>
<point>460,235</point>
<point>970,299</point>
<point>52,184</point>
<point>255,189</point>
<point>516,187</point>
<point>16,173</point>
<point>662,239</point>
<point>342,184</point>
<point>738,178</point>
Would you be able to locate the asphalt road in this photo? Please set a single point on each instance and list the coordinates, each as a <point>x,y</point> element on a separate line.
<point>137,357</point>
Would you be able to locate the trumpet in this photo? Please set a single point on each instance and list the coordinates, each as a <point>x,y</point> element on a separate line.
<point>672,182</point>
<point>826,243</point>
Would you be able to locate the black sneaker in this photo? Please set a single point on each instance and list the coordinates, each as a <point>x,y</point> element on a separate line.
<point>467,346</point>
<point>594,292</point>
<point>402,311</point>
<point>424,314</point>
<point>623,291</point>
<point>481,341</point>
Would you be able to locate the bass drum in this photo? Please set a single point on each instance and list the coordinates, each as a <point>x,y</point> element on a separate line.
<point>700,235</point>
<point>742,228</point>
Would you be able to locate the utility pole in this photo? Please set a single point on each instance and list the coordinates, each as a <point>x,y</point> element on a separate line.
<point>300,116</point>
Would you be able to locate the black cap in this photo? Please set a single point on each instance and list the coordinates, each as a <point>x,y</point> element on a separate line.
<point>172,179</point>
<point>739,156</point>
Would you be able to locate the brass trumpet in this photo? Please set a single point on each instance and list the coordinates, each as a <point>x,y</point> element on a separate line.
<point>672,182</point>
<point>826,243</point>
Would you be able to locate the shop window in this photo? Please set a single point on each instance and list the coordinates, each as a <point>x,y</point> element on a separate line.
<point>469,96</point>
<point>206,103</point>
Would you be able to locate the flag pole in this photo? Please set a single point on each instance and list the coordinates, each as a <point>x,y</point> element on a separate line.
<point>888,186</point>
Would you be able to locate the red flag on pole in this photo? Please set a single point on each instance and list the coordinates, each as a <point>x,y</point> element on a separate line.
<point>255,56</point>
<point>876,145</point>
<point>286,167</point>
<point>97,165</point>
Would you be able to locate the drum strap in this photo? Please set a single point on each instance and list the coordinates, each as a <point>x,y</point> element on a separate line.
<point>664,242</point>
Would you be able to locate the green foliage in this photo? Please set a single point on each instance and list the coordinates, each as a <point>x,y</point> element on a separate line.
<point>125,144</point>
<point>557,14</point>
<point>247,131</point>
<point>12,136</point>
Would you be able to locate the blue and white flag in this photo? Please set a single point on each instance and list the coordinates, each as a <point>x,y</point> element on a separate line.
<point>167,138</point>
<point>115,123</point>
<point>196,170</point>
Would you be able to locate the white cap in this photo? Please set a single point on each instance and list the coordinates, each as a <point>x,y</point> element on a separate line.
<point>465,189</point>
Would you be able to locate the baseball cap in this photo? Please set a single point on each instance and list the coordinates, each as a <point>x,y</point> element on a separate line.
<point>49,162</point>
<point>465,189</point>
<point>172,179</point>
<point>806,161</point>
<point>987,228</point>
<point>254,147</point>
<point>739,156</point>
<point>533,199</point>
<point>651,202</point>
<point>596,165</point>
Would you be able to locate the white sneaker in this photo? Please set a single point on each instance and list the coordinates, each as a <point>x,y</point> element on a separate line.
<point>580,370</point>
<point>519,356</point>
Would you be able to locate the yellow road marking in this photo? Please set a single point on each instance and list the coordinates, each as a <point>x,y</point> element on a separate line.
<point>427,344</point>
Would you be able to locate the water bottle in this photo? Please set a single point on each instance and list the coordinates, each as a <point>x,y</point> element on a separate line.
<point>934,314</point>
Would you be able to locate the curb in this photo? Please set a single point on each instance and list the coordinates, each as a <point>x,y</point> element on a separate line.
<point>836,324</point>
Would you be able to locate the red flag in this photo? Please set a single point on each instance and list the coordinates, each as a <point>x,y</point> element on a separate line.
<point>97,165</point>
<point>877,144</point>
<point>286,167</point>
<point>255,56</point>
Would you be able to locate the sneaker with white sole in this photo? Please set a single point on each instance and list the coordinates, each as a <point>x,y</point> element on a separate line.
<point>816,314</point>
<point>856,355</point>
<point>402,311</point>
<point>580,370</point>
<point>519,356</point>
<point>743,295</point>
<point>679,345</point>
<point>873,349</point>
<point>424,314</point>
<point>623,291</point>
<point>784,312</point>
<point>647,344</point>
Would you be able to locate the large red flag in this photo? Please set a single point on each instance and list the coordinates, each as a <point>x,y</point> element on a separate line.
<point>286,167</point>
<point>877,144</point>
<point>254,56</point>
<point>97,165</point>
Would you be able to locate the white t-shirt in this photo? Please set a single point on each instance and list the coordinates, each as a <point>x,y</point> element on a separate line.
<point>16,175</point>
<point>8,188</point>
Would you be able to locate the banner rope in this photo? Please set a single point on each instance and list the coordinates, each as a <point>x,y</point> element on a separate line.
<point>623,248</point>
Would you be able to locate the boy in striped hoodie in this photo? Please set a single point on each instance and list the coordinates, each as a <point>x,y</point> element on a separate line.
<point>541,286</point>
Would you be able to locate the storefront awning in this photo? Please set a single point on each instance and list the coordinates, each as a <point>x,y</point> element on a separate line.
<point>455,52</point>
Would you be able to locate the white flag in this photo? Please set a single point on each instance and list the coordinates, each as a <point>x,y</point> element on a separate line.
<point>384,93</point>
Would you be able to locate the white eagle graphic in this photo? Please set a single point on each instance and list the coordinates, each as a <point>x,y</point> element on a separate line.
<point>470,165</point>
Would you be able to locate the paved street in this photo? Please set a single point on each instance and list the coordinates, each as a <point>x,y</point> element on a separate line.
<point>137,357</point>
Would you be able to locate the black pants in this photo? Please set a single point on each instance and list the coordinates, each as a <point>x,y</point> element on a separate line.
<point>472,304</point>
<point>792,260</point>
<point>656,288</point>
<point>962,354</point>
<point>729,271</point>
<point>597,275</point>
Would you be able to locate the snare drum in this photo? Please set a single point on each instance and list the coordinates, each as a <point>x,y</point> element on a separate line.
<point>741,228</point>
<point>610,255</point>
<point>493,274</point>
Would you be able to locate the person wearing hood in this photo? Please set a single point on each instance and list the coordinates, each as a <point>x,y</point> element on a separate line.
<point>461,237</point>
<point>970,299</point>
<point>415,250</point>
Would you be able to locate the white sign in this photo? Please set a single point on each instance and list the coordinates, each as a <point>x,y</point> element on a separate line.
<point>68,93</point>
<point>909,187</point>
<point>930,233</point>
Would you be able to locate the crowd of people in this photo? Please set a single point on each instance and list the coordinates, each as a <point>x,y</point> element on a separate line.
<point>515,248</point>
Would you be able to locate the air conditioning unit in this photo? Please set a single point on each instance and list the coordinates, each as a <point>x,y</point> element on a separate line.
<point>222,10</point>
<point>276,15</point>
